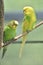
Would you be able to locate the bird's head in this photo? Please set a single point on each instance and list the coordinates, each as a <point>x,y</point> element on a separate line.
<point>13,24</point>
<point>28,10</point>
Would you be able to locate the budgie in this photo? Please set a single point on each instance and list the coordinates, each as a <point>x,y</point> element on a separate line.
<point>9,33</point>
<point>29,22</point>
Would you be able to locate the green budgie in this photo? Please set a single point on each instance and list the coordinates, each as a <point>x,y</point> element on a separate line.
<point>28,23</point>
<point>9,33</point>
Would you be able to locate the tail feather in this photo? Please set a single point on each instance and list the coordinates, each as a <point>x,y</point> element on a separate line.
<point>22,46</point>
<point>4,51</point>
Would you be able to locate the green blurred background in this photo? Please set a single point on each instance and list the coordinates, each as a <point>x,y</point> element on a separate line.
<point>14,5</point>
<point>32,53</point>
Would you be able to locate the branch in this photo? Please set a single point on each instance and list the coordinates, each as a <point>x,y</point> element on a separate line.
<point>21,35</point>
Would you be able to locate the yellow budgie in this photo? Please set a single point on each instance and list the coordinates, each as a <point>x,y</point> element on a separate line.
<point>28,23</point>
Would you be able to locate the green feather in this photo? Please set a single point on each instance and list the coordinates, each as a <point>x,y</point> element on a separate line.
<point>9,33</point>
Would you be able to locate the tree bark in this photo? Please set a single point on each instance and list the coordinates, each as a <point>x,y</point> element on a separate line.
<point>1,21</point>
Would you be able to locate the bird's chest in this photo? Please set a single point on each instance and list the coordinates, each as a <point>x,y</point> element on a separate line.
<point>9,34</point>
<point>27,23</point>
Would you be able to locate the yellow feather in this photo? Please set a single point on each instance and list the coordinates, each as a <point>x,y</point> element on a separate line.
<point>28,24</point>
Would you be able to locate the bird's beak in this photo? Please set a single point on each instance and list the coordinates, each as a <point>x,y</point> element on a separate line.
<point>14,27</point>
<point>26,13</point>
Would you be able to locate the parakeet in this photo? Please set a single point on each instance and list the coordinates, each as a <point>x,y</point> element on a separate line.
<point>9,33</point>
<point>28,23</point>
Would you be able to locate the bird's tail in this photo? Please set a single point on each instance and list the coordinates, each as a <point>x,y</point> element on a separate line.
<point>22,45</point>
<point>4,51</point>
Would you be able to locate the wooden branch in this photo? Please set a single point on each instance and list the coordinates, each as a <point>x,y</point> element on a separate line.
<point>1,21</point>
<point>21,35</point>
